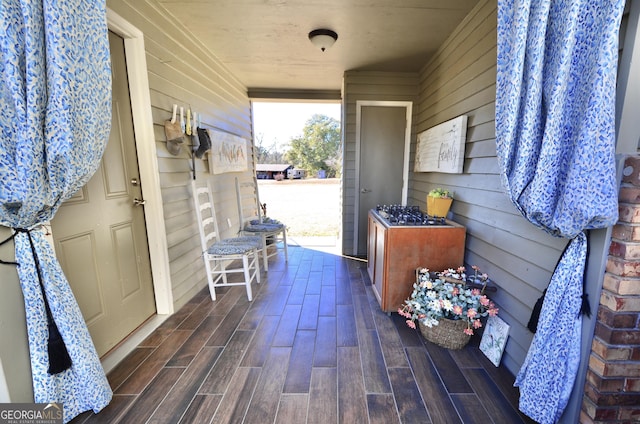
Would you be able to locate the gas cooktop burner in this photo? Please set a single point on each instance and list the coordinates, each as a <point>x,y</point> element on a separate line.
<point>407,215</point>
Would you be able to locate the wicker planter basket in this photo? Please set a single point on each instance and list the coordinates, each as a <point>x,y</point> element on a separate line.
<point>448,333</point>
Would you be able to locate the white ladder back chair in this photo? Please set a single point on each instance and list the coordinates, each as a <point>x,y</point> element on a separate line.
<point>273,233</point>
<point>220,255</point>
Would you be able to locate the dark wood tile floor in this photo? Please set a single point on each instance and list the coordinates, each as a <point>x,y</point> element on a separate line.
<point>312,347</point>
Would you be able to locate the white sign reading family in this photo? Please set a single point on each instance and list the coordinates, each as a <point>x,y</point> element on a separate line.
<point>441,148</point>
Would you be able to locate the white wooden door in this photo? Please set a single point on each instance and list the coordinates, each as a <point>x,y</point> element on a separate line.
<point>100,233</point>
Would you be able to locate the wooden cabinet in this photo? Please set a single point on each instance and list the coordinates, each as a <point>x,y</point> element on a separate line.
<point>394,253</point>
<point>376,244</point>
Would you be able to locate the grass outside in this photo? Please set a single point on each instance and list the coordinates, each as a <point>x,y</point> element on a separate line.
<point>309,208</point>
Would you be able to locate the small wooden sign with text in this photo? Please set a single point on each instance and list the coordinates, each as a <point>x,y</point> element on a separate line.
<point>228,153</point>
<point>441,148</point>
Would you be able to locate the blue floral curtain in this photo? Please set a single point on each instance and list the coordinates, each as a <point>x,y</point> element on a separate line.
<point>555,124</point>
<point>55,116</point>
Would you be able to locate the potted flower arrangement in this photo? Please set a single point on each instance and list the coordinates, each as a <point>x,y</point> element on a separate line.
<point>449,306</point>
<point>439,202</point>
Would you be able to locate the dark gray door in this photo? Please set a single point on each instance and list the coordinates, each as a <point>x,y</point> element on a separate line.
<point>382,147</point>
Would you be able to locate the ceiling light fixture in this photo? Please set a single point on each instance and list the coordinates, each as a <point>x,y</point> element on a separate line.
<point>323,38</point>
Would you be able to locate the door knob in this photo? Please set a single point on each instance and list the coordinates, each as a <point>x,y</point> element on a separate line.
<point>138,202</point>
<point>365,190</point>
<point>134,181</point>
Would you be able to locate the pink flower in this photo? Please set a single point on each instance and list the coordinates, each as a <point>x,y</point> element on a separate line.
<point>468,332</point>
<point>403,312</point>
<point>421,316</point>
<point>456,291</point>
<point>475,267</point>
<point>411,324</point>
<point>484,301</point>
<point>471,313</point>
<point>457,310</point>
<point>493,312</point>
<point>477,324</point>
<point>475,292</point>
<point>461,269</point>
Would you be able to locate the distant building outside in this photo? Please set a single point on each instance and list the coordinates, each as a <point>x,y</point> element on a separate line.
<point>268,171</point>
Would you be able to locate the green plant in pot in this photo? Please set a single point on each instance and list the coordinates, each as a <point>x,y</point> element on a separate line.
<point>439,202</point>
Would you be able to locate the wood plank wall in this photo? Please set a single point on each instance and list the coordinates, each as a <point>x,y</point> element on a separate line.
<point>358,86</point>
<point>460,80</point>
<point>182,72</point>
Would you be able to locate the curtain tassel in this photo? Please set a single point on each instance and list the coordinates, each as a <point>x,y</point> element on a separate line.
<point>59,359</point>
<point>585,309</point>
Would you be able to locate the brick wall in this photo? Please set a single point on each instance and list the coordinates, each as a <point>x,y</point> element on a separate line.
<point>612,390</point>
